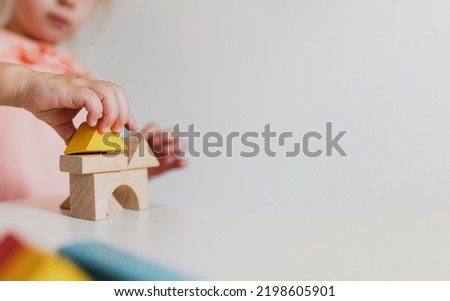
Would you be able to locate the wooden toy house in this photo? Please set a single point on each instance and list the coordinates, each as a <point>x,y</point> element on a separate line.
<point>106,173</point>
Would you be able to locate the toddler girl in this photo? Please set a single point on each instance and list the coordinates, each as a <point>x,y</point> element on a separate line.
<point>42,90</point>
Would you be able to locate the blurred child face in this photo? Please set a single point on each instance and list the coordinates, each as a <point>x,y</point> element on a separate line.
<point>49,20</point>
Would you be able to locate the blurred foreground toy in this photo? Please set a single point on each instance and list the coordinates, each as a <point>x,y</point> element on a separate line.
<point>107,263</point>
<point>19,261</point>
<point>83,261</point>
<point>106,174</point>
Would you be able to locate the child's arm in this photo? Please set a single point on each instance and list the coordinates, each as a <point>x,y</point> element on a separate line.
<point>57,99</point>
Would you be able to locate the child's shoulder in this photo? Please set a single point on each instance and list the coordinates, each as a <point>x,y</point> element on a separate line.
<point>8,37</point>
<point>10,42</point>
<point>17,49</point>
<point>13,45</point>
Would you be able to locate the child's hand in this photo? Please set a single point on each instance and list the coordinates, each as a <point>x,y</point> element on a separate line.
<point>166,149</point>
<point>57,99</point>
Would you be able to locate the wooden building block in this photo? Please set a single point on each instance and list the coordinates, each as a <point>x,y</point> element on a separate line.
<point>89,140</point>
<point>27,263</point>
<point>104,184</point>
<point>7,247</point>
<point>14,264</point>
<point>139,154</point>
<point>93,163</point>
<point>56,268</point>
<point>66,204</point>
<point>20,264</point>
<point>91,195</point>
<point>114,206</point>
<point>137,197</point>
<point>107,263</point>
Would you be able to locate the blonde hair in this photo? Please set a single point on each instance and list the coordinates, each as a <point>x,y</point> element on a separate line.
<point>5,11</point>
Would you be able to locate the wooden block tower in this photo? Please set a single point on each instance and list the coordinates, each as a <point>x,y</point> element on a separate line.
<point>106,174</point>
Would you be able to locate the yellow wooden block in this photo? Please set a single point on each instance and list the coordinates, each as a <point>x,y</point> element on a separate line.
<point>89,140</point>
<point>56,268</point>
<point>20,264</point>
<point>31,264</point>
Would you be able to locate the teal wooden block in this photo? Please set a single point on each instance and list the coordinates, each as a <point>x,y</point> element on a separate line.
<point>107,263</point>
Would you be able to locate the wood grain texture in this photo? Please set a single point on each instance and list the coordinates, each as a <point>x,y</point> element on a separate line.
<point>139,154</point>
<point>66,204</point>
<point>93,163</point>
<point>95,196</point>
<point>105,184</point>
<point>114,206</point>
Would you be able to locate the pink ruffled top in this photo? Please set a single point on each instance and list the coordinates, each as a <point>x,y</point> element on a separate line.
<point>29,155</point>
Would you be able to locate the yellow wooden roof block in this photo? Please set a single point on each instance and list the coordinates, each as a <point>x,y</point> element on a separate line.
<point>88,140</point>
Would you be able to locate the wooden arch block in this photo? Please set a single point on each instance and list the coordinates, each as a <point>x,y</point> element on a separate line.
<point>95,196</point>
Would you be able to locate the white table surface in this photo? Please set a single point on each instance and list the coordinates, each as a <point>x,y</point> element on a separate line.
<point>256,244</point>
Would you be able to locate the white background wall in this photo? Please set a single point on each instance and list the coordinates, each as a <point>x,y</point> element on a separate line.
<point>379,69</point>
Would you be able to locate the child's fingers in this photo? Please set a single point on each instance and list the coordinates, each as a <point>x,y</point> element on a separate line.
<point>124,109</point>
<point>180,146</point>
<point>171,162</point>
<point>116,112</point>
<point>153,134</point>
<point>48,95</point>
<point>163,143</point>
<point>166,146</point>
<point>88,99</point>
<point>131,124</point>
<point>149,129</point>
<point>179,163</point>
<point>66,131</point>
<point>111,107</point>
<point>157,136</point>
<point>171,143</point>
